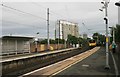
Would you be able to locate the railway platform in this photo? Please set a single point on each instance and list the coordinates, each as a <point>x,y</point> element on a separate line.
<point>93,66</point>
<point>24,56</point>
<point>88,64</point>
<point>18,65</point>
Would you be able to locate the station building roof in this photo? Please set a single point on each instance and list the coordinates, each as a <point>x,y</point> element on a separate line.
<point>17,37</point>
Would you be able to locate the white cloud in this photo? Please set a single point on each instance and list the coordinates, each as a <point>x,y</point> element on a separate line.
<point>56,0</point>
<point>87,12</point>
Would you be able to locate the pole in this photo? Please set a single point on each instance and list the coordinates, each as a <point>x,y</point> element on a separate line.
<point>65,43</point>
<point>36,45</point>
<point>107,52</point>
<point>16,47</point>
<point>58,33</point>
<point>55,31</point>
<point>48,43</point>
<point>36,42</point>
<point>113,34</point>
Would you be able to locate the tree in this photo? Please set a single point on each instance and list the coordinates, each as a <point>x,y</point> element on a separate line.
<point>117,36</point>
<point>72,40</point>
<point>84,42</point>
<point>43,41</point>
<point>61,41</point>
<point>52,41</point>
<point>95,36</point>
<point>99,38</point>
<point>117,33</point>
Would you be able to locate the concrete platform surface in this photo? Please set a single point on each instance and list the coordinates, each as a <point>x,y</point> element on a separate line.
<point>93,66</point>
<point>7,59</point>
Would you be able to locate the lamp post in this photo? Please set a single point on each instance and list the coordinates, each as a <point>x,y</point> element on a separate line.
<point>36,41</point>
<point>48,32</point>
<point>117,4</point>
<point>105,3</point>
<point>58,34</point>
<point>65,43</point>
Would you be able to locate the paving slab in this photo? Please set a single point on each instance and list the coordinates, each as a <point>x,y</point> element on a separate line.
<point>91,66</point>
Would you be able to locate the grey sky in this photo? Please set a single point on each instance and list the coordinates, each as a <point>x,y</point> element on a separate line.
<point>16,23</point>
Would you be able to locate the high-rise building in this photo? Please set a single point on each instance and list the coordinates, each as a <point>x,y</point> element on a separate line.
<point>64,28</point>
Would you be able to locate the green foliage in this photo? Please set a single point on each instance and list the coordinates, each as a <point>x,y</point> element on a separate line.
<point>52,41</point>
<point>61,41</point>
<point>117,33</point>
<point>84,42</point>
<point>102,38</point>
<point>43,41</point>
<point>95,36</point>
<point>72,39</point>
<point>99,37</point>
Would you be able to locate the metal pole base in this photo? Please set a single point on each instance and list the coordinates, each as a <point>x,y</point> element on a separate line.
<point>107,67</point>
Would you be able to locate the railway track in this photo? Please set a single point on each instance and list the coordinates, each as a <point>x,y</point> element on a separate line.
<point>42,61</point>
<point>54,69</point>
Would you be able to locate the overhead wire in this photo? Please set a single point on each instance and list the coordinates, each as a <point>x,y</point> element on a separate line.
<point>20,24</point>
<point>90,31</point>
<point>51,11</point>
<point>22,11</point>
<point>86,27</point>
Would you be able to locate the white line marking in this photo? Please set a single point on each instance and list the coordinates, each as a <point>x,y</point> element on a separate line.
<point>34,55</point>
<point>55,64</point>
<point>70,65</point>
<point>116,69</point>
<point>48,66</point>
<point>85,65</point>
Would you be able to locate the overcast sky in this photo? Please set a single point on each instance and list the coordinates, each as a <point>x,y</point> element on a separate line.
<point>18,23</point>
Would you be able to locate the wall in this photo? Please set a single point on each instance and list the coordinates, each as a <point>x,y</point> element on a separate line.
<point>13,45</point>
<point>43,47</point>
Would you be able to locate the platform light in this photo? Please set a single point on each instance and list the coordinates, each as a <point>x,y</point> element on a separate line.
<point>102,2</point>
<point>117,3</point>
<point>105,6</point>
<point>100,9</point>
